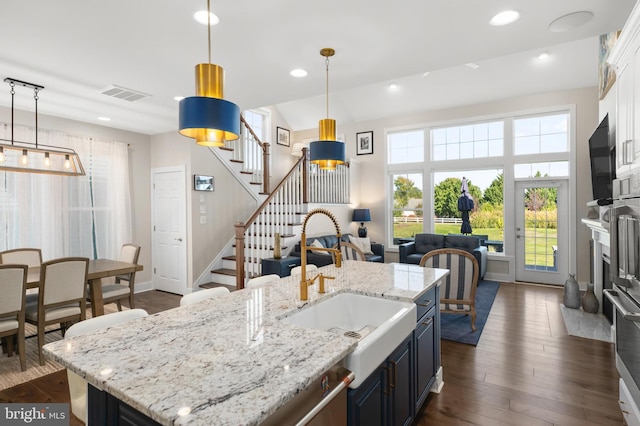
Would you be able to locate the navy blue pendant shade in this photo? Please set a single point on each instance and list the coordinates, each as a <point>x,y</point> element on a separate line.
<point>203,114</point>
<point>327,154</point>
<point>361,215</point>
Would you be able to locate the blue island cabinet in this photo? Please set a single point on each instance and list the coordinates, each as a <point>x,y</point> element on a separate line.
<point>385,398</point>
<point>396,390</point>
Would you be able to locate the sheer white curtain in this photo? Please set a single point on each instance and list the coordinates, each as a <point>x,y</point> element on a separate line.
<point>67,215</point>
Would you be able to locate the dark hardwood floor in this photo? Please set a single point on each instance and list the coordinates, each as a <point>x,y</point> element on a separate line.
<point>526,369</point>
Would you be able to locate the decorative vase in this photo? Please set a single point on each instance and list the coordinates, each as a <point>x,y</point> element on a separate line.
<point>277,249</point>
<point>590,302</point>
<point>571,292</point>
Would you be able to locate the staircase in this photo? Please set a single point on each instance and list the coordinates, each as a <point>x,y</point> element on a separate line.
<point>282,210</point>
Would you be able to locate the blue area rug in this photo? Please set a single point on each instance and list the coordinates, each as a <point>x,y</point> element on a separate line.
<point>458,327</point>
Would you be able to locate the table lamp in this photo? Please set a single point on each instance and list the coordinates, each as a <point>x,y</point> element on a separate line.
<point>361,215</point>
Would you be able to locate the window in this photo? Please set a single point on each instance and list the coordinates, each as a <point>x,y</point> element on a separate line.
<point>547,169</point>
<point>469,141</point>
<point>406,147</point>
<point>407,212</point>
<point>541,134</point>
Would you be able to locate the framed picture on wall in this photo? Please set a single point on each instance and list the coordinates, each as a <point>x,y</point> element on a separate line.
<point>202,183</point>
<point>283,136</point>
<point>606,73</point>
<point>364,143</point>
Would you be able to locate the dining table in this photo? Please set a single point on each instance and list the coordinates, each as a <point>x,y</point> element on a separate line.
<point>98,269</point>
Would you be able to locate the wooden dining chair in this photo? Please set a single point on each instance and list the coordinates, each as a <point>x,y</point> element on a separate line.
<point>32,257</point>
<point>61,296</point>
<point>77,385</point>
<point>13,283</point>
<point>123,287</point>
<point>458,292</point>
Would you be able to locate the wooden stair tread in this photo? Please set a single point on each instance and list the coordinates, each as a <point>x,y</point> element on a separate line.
<point>214,285</point>
<point>225,271</point>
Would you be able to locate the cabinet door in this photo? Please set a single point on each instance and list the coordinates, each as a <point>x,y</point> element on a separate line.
<point>368,403</point>
<point>624,121</point>
<point>633,110</point>
<point>425,357</point>
<point>400,364</point>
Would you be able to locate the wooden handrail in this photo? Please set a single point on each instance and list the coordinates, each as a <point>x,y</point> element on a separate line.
<point>241,227</point>
<point>265,156</point>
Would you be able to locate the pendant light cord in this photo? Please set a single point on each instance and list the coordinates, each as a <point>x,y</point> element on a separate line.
<point>13,95</point>
<point>35,96</point>
<point>209,28</point>
<point>326,62</point>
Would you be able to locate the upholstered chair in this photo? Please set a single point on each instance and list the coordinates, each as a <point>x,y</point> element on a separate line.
<point>13,282</point>
<point>77,385</point>
<point>123,287</point>
<point>263,279</point>
<point>61,296</point>
<point>458,292</point>
<point>298,269</point>
<point>198,296</point>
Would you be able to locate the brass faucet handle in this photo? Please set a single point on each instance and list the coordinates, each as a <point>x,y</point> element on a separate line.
<point>321,282</point>
<point>338,259</point>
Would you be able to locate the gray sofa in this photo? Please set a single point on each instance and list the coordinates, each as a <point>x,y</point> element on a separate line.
<point>413,251</point>
<point>322,259</point>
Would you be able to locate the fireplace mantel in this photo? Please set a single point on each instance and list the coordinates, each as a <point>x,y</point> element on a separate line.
<point>601,245</point>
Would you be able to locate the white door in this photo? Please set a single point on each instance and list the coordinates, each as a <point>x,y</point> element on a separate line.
<point>169,211</point>
<point>542,223</point>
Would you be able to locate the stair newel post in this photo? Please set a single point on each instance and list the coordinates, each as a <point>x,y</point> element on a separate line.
<point>305,176</point>
<point>240,231</point>
<point>265,168</point>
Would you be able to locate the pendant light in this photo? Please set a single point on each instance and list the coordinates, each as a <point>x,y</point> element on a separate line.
<point>207,117</point>
<point>19,156</point>
<point>327,152</point>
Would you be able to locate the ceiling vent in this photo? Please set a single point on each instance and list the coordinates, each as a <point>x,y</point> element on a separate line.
<point>124,93</point>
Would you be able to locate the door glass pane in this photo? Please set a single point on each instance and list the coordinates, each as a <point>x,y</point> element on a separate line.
<point>541,228</point>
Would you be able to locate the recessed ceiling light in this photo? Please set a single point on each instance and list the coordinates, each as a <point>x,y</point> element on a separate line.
<point>393,86</point>
<point>298,72</point>
<point>504,18</point>
<point>425,74</point>
<point>543,56</point>
<point>201,17</point>
<point>104,119</point>
<point>570,21</point>
<point>178,98</point>
<point>473,65</point>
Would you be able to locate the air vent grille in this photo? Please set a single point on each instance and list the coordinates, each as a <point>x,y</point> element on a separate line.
<point>124,93</point>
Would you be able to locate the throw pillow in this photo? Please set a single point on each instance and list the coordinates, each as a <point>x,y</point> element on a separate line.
<point>318,244</point>
<point>364,244</point>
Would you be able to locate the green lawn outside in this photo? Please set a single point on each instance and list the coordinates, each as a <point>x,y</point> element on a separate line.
<point>538,243</point>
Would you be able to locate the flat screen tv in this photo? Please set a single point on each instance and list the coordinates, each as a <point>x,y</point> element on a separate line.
<point>603,157</point>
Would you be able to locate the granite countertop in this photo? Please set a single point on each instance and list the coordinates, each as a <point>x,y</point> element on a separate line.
<point>229,360</point>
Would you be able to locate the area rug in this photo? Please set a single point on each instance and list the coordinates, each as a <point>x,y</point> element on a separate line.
<point>10,372</point>
<point>583,324</point>
<point>457,327</point>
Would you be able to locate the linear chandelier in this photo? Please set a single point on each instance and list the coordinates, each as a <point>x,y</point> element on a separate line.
<point>28,157</point>
<point>207,117</point>
<point>327,152</point>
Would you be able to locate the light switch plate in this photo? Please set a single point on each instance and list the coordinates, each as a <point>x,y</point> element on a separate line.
<point>203,220</point>
<point>201,198</point>
<point>203,209</point>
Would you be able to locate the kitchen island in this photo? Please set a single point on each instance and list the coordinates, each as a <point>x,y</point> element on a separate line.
<point>229,360</point>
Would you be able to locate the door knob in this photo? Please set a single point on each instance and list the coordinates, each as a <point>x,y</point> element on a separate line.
<point>517,235</point>
<point>178,239</point>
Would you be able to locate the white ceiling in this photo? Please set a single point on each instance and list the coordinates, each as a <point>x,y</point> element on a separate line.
<point>77,48</point>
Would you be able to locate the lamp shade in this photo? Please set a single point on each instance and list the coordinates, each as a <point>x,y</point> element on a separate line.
<point>327,154</point>
<point>361,215</point>
<point>201,114</point>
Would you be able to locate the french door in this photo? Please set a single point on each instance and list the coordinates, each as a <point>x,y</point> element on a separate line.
<point>542,223</point>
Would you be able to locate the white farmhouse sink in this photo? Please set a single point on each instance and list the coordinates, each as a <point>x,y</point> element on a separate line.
<point>380,325</point>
